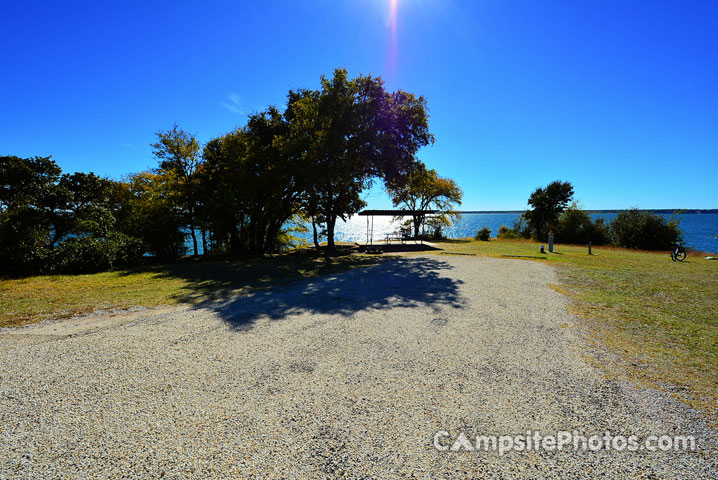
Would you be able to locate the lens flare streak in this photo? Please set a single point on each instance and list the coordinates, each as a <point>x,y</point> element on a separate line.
<point>393,36</point>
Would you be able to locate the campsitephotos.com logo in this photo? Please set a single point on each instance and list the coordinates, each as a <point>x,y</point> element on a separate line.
<point>561,441</point>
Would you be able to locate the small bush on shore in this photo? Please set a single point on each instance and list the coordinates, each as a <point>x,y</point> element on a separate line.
<point>507,233</point>
<point>644,230</point>
<point>521,228</point>
<point>483,234</point>
<point>575,226</point>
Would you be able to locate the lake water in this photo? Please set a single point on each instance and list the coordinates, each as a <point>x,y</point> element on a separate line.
<point>699,229</point>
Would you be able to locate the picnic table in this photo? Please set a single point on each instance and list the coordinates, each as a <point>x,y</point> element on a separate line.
<point>403,238</point>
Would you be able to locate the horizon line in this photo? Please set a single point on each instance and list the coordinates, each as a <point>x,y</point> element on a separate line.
<point>608,210</point>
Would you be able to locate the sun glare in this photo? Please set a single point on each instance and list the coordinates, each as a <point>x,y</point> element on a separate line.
<point>393,47</point>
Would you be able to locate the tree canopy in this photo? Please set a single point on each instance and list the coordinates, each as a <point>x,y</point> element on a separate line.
<point>310,159</point>
<point>348,133</point>
<point>251,184</point>
<point>50,222</point>
<point>547,204</point>
<point>178,155</point>
<point>424,189</point>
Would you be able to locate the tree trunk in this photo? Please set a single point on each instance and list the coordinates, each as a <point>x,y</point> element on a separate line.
<point>273,230</point>
<point>316,235</point>
<point>234,242</point>
<point>270,240</point>
<point>204,242</point>
<point>331,221</point>
<point>194,239</point>
<point>262,239</point>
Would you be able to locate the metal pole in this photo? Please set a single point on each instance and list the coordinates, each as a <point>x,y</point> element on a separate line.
<point>367,230</point>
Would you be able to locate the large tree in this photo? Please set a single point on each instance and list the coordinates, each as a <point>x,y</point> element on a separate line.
<point>27,181</point>
<point>28,200</point>
<point>144,206</point>
<point>547,204</point>
<point>252,184</point>
<point>348,133</point>
<point>179,156</point>
<point>86,206</point>
<point>423,190</point>
<point>51,222</point>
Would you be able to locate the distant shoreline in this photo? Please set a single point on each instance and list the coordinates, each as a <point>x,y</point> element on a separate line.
<point>657,210</point>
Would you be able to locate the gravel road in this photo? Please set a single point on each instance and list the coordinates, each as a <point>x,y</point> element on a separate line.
<point>347,376</point>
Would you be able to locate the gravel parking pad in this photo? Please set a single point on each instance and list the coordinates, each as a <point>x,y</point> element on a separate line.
<point>350,376</point>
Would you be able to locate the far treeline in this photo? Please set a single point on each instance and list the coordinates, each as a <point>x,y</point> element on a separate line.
<point>553,210</point>
<point>304,164</point>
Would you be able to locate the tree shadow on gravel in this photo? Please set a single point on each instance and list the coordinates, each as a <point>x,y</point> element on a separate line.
<point>217,279</point>
<point>393,282</point>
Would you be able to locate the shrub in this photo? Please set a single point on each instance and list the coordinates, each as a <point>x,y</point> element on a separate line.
<point>647,231</point>
<point>24,235</point>
<point>436,234</point>
<point>483,234</point>
<point>575,226</point>
<point>601,234</point>
<point>522,228</point>
<point>506,232</point>
<point>436,225</point>
<point>90,254</point>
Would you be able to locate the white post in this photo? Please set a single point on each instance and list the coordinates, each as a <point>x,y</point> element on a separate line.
<point>550,242</point>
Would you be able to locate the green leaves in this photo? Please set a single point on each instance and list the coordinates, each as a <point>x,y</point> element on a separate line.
<point>27,182</point>
<point>423,189</point>
<point>634,228</point>
<point>44,214</point>
<point>314,158</point>
<point>178,152</point>
<point>251,184</point>
<point>548,203</point>
<point>349,132</point>
<point>575,226</point>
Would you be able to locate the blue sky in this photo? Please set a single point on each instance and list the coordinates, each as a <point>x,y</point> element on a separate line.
<point>620,98</point>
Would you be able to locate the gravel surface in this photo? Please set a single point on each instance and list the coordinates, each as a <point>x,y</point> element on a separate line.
<point>346,376</point>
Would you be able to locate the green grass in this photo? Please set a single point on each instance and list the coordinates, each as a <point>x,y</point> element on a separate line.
<point>31,299</point>
<point>659,316</point>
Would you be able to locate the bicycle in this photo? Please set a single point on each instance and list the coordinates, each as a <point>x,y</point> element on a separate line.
<point>678,253</point>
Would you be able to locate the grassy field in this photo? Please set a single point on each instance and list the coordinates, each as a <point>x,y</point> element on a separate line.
<point>660,317</point>
<point>32,299</point>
